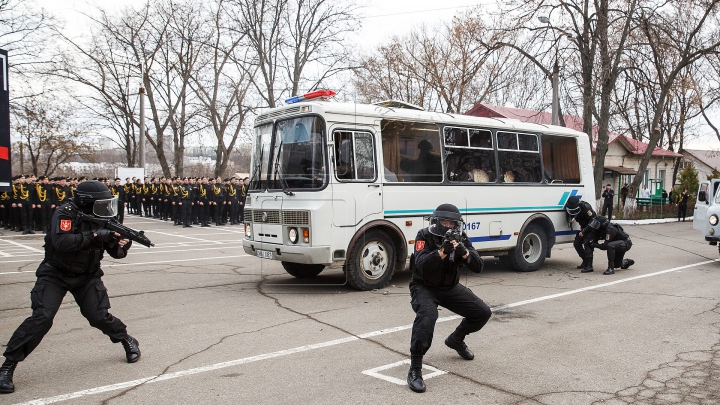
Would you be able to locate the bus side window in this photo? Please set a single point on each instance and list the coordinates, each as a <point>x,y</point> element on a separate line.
<point>469,162</point>
<point>411,151</point>
<point>519,158</point>
<point>560,159</point>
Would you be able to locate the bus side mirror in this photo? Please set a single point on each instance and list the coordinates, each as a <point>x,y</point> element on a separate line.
<point>701,196</point>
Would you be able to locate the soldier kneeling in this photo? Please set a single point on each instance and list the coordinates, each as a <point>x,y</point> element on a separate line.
<point>617,242</point>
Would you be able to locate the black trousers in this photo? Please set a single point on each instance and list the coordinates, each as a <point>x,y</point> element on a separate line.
<point>26,216</point>
<point>583,247</point>
<point>204,212</point>
<point>45,216</point>
<point>186,212</point>
<point>458,299</point>
<point>682,211</point>
<point>47,295</point>
<point>616,252</point>
<point>607,208</point>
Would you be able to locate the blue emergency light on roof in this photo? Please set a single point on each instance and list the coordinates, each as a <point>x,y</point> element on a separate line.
<point>310,96</point>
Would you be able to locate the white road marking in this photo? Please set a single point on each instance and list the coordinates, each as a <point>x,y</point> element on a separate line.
<point>172,261</point>
<point>183,236</point>
<point>3,254</point>
<point>281,353</point>
<point>375,372</point>
<point>24,246</point>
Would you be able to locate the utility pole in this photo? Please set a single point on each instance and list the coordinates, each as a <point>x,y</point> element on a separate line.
<point>142,119</point>
<point>555,75</point>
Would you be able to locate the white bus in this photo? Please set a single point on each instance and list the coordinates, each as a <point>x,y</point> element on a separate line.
<point>352,184</point>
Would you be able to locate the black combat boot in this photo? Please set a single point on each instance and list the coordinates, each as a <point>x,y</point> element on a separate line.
<point>132,349</point>
<point>414,378</point>
<point>456,342</point>
<point>582,265</point>
<point>627,263</point>
<point>6,375</point>
<point>588,266</point>
<point>610,270</point>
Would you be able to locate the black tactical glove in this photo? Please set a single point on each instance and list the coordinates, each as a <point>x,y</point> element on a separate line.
<point>104,235</point>
<point>447,247</point>
<point>460,249</point>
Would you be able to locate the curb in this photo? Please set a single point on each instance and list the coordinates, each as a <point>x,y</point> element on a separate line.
<point>649,221</point>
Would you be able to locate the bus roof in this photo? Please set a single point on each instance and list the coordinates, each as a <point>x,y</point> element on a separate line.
<point>391,113</point>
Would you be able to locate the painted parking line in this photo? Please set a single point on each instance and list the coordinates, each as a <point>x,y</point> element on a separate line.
<point>321,345</point>
<point>23,246</point>
<point>183,236</point>
<point>376,372</point>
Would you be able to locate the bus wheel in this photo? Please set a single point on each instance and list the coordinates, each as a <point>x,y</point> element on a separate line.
<point>371,261</point>
<point>301,270</point>
<point>531,252</point>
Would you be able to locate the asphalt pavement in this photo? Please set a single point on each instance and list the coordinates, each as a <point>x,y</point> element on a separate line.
<point>217,326</point>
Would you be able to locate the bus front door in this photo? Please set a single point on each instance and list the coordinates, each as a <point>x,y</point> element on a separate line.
<point>357,190</point>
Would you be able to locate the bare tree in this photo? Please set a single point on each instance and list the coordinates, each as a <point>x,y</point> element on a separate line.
<point>50,133</point>
<point>448,68</point>
<point>297,43</point>
<point>23,32</point>
<point>672,37</point>
<point>222,83</point>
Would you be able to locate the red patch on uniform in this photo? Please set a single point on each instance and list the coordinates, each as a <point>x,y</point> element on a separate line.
<point>65,224</point>
<point>419,245</point>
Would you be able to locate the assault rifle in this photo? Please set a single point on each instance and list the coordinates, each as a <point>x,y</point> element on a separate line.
<point>115,226</point>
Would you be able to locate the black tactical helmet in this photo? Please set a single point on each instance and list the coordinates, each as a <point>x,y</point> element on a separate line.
<point>425,145</point>
<point>447,212</point>
<point>95,197</point>
<point>572,206</point>
<point>599,222</point>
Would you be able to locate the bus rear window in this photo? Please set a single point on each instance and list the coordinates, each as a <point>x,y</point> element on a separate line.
<point>560,159</point>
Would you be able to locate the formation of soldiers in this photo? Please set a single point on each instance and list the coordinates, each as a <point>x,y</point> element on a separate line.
<point>186,201</point>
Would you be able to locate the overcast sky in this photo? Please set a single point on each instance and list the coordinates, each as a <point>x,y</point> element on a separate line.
<point>382,19</point>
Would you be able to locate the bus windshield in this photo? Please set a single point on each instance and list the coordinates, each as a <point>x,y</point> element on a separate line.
<point>298,154</point>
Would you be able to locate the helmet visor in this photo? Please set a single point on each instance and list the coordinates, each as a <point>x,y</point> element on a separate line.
<point>440,226</point>
<point>573,211</point>
<point>106,208</point>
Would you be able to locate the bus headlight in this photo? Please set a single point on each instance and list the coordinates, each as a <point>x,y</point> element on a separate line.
<point>293,235</point>
<point>713,220</point>
<point>248,231</point>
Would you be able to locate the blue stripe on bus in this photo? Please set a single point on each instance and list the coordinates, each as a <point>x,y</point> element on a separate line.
<point>564,198</point>
<point>477,210</point>
<point>563,233</point>
<point>489,238</point>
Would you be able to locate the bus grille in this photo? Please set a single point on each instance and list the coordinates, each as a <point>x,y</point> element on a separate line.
<point>296,217</point>
<point>279,217</point>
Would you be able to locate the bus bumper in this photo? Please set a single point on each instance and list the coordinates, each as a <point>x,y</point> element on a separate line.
<point>712,239</point>
<point>285,253</point>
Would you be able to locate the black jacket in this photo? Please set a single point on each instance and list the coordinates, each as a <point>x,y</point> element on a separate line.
<point>70,247</point>
<point>433,271</point>
<point>583,218</point>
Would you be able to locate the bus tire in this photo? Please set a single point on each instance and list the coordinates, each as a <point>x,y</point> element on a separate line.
<point>531,251</point>
<point>301,270</point>
<point>371,262</point>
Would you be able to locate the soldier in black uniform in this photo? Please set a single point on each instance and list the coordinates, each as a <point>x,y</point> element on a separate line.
<point>5,205</point>
<point>129,197</point>
<point>25,198</point>
<point>582,213</point>
<point>118,190</point>
<point>233,198</point>
<point>219,203</point>
<point>73,251</point>
<point>187,199</point>
<point>243,198</point>
<point>617,242</point>
<point>435,281</point>
<point>608,195</point>
<point>203,197</point>
<point>43,202</point>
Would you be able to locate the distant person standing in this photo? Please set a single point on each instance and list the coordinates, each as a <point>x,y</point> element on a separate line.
<point>608,196</point>
<point>645,192</point>
<point>624,193</point>
<point>682,204</point>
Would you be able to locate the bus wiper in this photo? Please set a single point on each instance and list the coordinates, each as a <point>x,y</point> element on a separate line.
<point>278,172</point>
